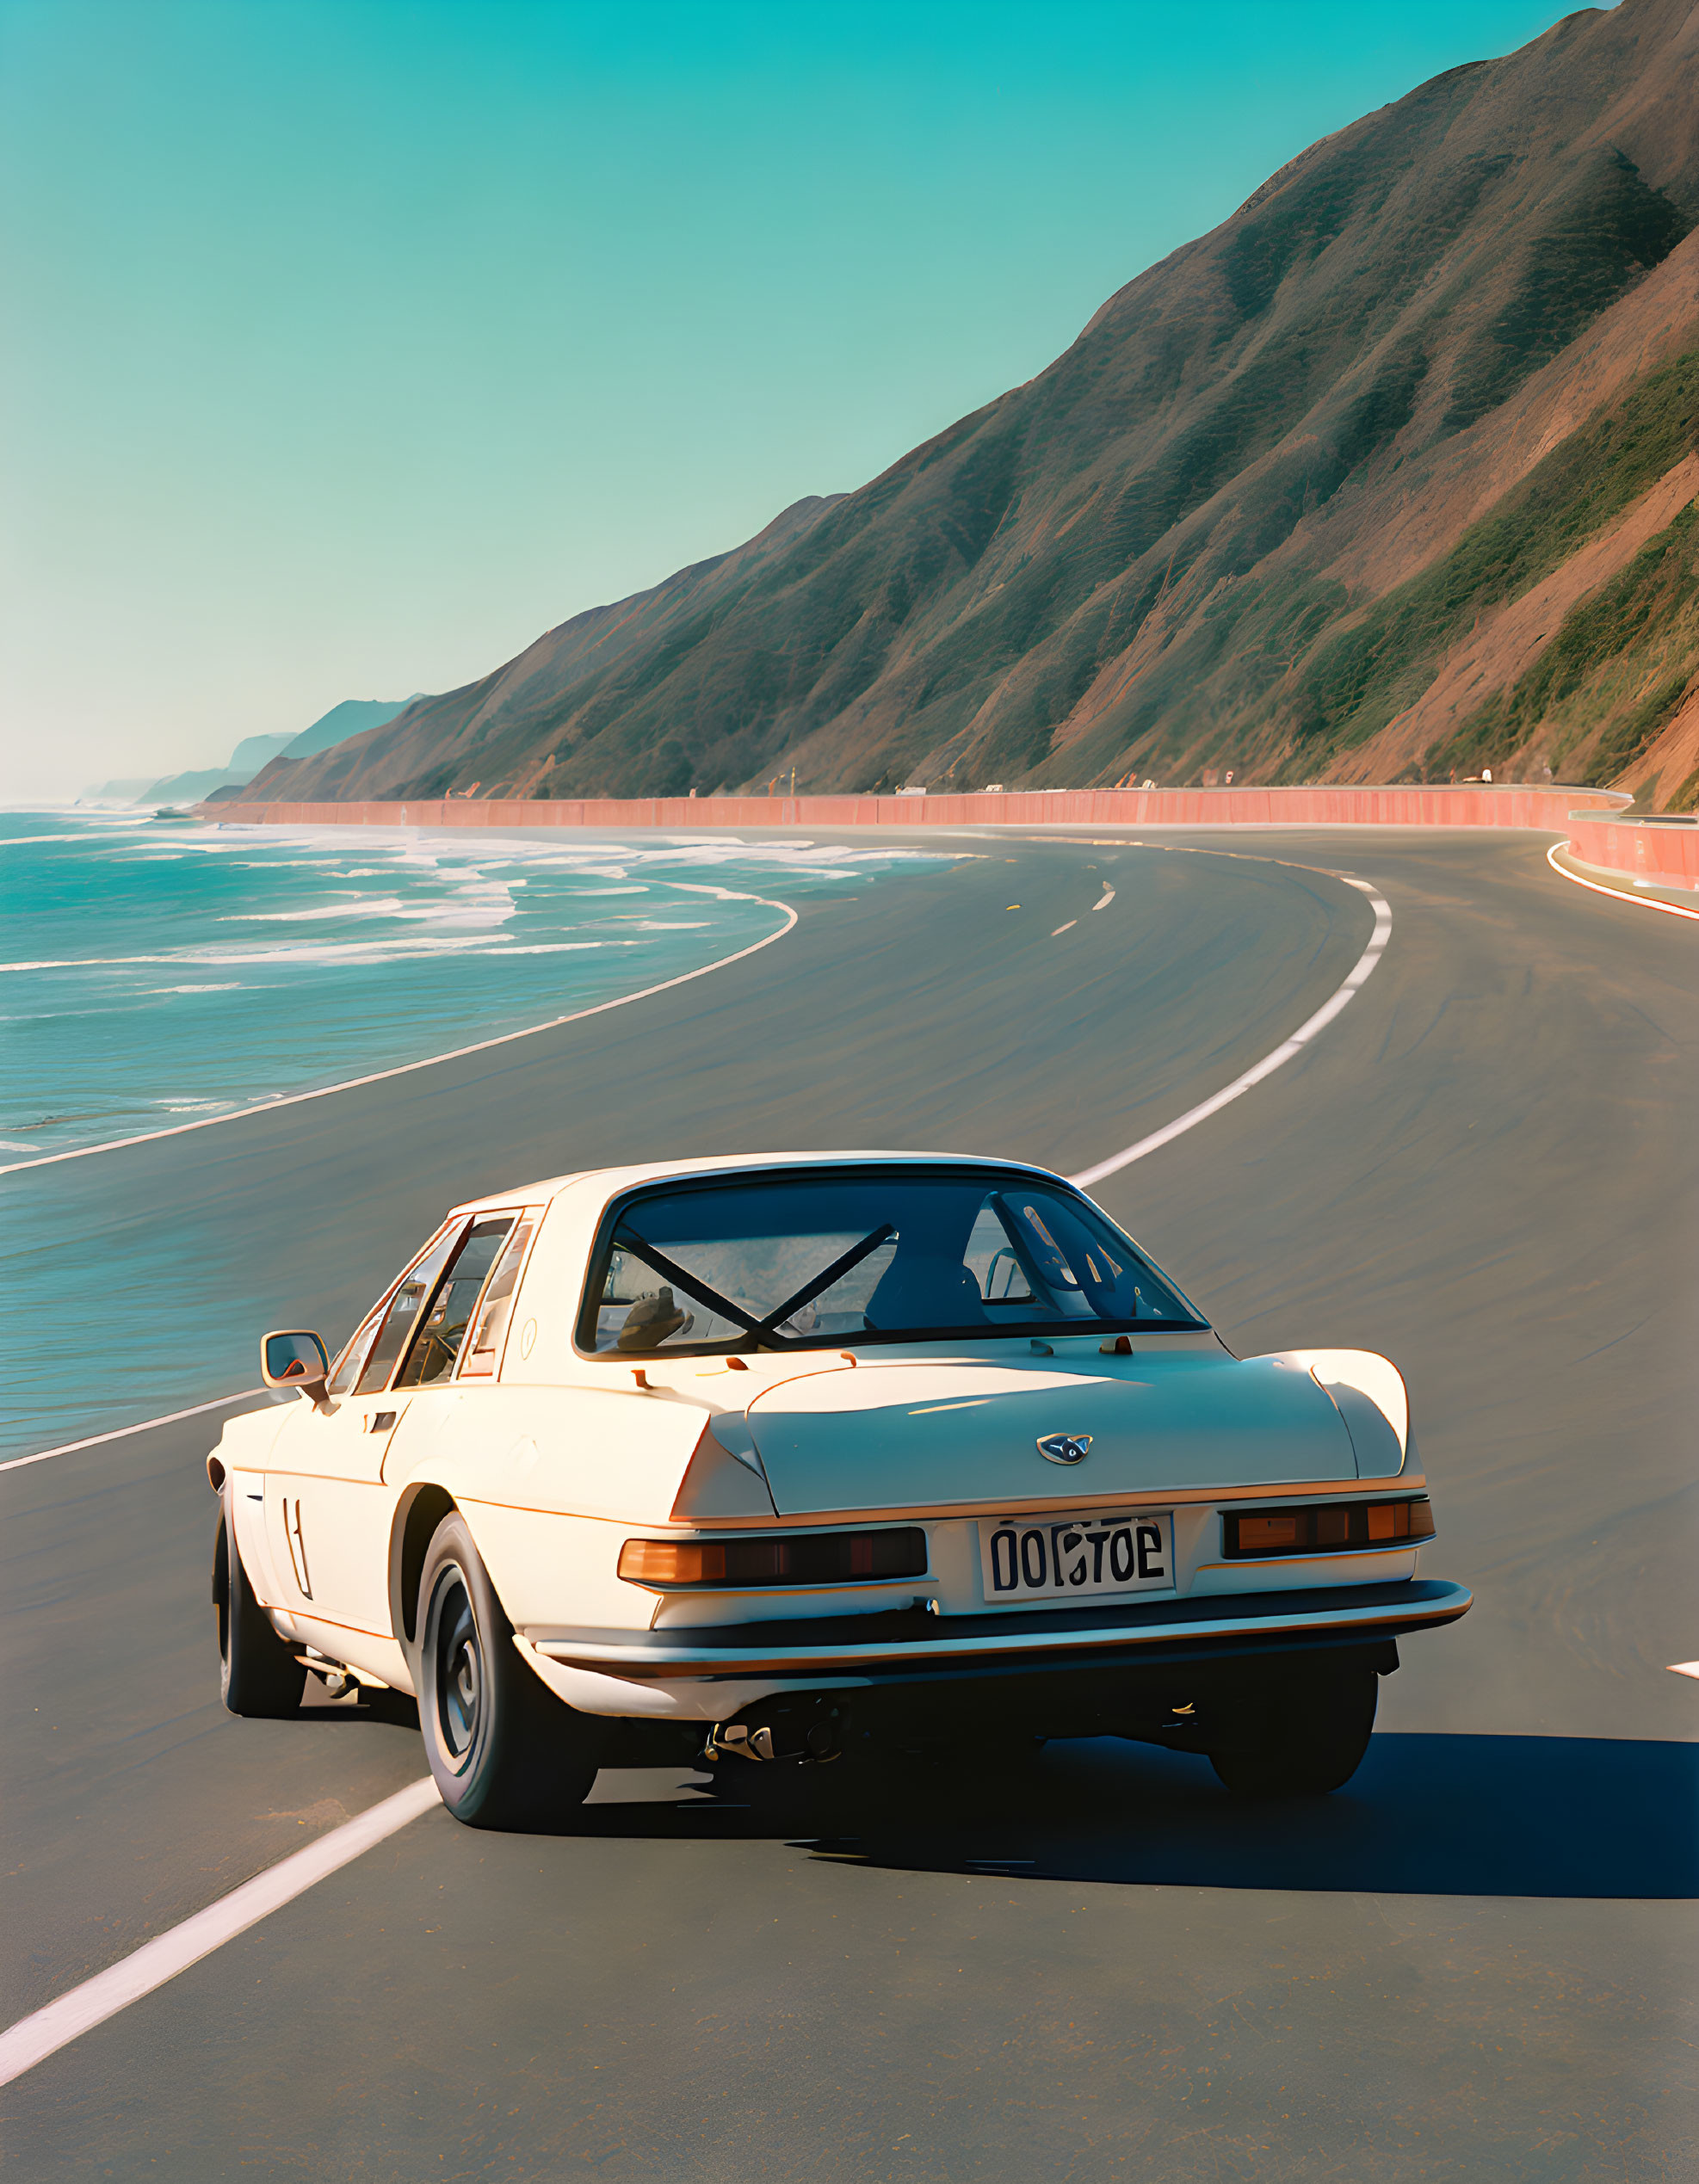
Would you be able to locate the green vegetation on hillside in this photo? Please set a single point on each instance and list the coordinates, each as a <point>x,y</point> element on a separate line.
<point>1612,227</point>
<point>1139,561</point>
<point>1357,681</point>
<point>1591,678</point>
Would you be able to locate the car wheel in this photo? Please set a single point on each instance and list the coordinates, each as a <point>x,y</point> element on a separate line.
<point>506,1753</point>
<point>1310,1738</point>
<point>258,1673</point>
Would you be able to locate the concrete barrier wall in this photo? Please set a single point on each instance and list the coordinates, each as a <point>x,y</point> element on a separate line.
<point>1548,809</point>
<point>1593,819</point>
<point>1659,850</point>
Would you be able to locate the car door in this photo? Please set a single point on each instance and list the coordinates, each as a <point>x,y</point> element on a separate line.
<point>327,1509</point>
<point>459,1346</point>
<point>457,1341</point>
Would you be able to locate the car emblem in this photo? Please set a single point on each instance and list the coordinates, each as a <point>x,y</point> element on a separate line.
<point>1065,1449</point>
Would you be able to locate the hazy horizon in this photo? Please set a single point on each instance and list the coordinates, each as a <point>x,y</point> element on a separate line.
<point>357,346</point>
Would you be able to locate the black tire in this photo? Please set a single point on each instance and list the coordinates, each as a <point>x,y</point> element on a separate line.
<point>506,1753</point>
<point>259,1676</point>
<point>1310,1738</point>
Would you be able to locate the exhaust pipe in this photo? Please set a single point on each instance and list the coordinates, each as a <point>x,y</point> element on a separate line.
<point>806,1733</point>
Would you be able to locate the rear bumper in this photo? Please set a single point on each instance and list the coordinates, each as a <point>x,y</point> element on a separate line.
<point>910,1643</point>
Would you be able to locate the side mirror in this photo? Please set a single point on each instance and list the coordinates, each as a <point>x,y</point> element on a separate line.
<point>294,1359</point>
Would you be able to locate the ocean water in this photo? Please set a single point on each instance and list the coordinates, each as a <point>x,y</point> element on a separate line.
<point>154,974</point>
<point>157,973</point>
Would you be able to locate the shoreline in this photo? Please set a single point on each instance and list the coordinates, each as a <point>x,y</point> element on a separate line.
<point>423,1062</point>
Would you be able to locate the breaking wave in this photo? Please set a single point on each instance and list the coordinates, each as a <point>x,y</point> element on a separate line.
<point>357,949</point>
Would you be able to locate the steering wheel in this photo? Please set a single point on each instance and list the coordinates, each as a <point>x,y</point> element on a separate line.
<point>434,1357</point>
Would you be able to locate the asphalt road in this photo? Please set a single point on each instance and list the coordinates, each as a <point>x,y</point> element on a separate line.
<point>1476,1961</point>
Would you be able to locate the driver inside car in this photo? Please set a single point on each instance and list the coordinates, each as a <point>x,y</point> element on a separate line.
<point>651,1320</point>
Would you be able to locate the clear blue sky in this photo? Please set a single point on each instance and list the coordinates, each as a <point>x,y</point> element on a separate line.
<point>355,342</point>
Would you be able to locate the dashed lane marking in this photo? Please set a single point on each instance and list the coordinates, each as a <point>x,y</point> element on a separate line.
<point>1300,1038</point>
<point>1068,927</point>
<point>34,2038</point>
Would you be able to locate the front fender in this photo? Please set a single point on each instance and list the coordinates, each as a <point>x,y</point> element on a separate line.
<point>245,1443</point>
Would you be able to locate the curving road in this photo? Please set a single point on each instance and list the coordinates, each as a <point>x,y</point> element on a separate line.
<point>1466,1964</point>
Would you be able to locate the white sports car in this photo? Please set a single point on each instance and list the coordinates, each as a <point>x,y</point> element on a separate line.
<point>743,1459</point>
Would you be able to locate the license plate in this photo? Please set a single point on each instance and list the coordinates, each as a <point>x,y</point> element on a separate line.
<point>1070,1557</point>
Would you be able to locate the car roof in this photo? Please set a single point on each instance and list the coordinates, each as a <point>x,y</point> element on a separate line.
<point>616,1179</point>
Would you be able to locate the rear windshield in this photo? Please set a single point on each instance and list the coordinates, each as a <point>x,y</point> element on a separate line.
<point>867,1256</point>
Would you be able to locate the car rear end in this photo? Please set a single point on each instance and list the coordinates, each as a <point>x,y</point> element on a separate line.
<point>969,1459</point>
<point>1185,1554</point>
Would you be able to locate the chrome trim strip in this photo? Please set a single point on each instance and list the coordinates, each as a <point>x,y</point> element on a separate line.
<point>1395,1486</point>
<point>652,1662</point>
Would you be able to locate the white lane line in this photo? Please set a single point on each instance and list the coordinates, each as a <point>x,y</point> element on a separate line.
<point>1300,1038</point>
<point>1640,902</point>
<point>119,1432</point>
<point>44,2031</point>
<point>404,1068</point>
<point>1104,899</point>
<point>1068,927</point>
<point>1684,1668</point>
<point>1282,1054</point>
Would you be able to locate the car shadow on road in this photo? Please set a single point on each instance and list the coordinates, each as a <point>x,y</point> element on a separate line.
<point>365,1703</point>
<point>1425,1815</point>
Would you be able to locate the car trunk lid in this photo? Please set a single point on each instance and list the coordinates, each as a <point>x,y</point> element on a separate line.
<point>965,1434</point>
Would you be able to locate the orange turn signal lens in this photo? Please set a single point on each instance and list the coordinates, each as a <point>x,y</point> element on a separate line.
<point>672,1562</point>
<point>1325,1527</point>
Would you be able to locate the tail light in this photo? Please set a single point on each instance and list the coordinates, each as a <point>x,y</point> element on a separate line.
<point>796,1558</point>
<point>1323,1527</point>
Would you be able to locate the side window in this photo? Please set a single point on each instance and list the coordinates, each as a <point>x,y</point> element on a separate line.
<point>437,1342</point>
<point>358,1347</point>
<point>489,1325</point>
<point>406,1306</point>
<point>349,1364</point>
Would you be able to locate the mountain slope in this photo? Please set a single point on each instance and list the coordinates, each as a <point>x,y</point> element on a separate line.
<point>255,751</point>
<point>438,744</point>
<point>212,783</point>
<point>351,718</point>
<point>1389,474</point>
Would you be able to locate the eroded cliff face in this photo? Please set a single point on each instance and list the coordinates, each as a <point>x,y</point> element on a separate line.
<point>1390,476</point>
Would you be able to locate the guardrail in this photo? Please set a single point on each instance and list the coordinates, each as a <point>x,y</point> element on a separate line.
<point>1476,805</point>
<point>1598,830</point>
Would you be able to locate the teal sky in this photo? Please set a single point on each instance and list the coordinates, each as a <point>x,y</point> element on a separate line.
<point>353,343</point>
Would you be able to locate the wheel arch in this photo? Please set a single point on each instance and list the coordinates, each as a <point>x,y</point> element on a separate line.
<point>418,1513</point>
<point>221,1538</point>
